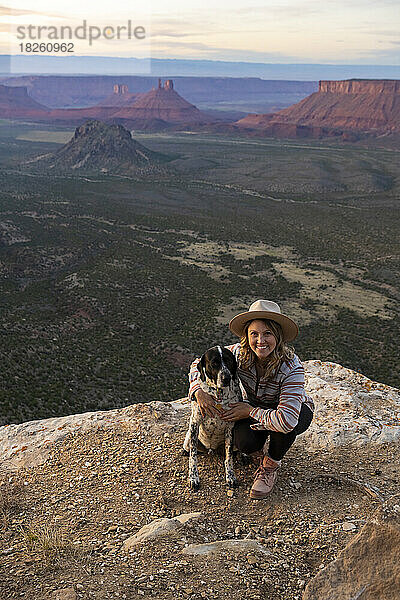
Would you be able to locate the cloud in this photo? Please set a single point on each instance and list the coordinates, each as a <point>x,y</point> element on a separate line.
<point>169,34</point>
<point>301,9</point>
<point>379,32</point>
<point>197,49</point>
<point>388,56</point>
<point>7,11</point>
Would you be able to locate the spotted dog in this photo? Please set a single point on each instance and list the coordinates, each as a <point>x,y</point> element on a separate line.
<point>218,376</point>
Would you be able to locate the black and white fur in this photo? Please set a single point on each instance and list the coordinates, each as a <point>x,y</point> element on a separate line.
<point>218,376</point>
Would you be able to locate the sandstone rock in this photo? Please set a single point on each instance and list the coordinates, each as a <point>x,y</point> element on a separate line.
<point>64,594</point>
<point>355,105</point>
<point>119,97</point>
<point>29,444</point>
<point>350,408</point>
<point>97,146</point>
<point>360,86</point>
<point>235,545</point>
<point>348,526</point>
<point>158,528</point>
<point>16,103</point>
<point>163,103</point>
<point>369,566</point>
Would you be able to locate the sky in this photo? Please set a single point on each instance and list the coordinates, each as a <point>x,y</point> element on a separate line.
<point>358,32</point>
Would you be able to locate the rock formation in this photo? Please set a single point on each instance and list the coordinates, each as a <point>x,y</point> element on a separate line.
<point>158,528</point>
<point>162,104</point>
<point>98,147</point>
<point>160,108</point>
<point>358,106</point>
<point>119,97</point>
<point>368,567</point>
<point>15,103</point>
<point>89,90</point>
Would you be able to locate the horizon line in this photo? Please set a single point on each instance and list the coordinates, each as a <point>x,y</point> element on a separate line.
<point>205,60</point>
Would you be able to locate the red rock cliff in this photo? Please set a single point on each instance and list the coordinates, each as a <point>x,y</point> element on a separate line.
<point>361,86</point>
<point>15,103</point>
<point>354,105</point>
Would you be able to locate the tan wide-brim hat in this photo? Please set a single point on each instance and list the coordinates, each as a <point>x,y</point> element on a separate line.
<point>265,309</point>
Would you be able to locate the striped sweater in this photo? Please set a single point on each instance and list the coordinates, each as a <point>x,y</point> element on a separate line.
<point>277,401</point>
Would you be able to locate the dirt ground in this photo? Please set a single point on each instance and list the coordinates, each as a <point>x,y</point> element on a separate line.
<point>62,524</point>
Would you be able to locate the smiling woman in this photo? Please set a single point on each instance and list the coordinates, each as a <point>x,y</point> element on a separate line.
<point>276,407</point>
<point>261,339</point>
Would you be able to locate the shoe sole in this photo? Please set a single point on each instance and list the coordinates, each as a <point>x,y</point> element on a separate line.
<point>259,495</point>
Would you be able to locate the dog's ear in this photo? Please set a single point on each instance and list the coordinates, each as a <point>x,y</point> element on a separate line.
<point>234,371</point>
<point>231,363</point>
<point>201,365</point>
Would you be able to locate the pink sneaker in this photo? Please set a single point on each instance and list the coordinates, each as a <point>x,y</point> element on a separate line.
<point>264,480</point>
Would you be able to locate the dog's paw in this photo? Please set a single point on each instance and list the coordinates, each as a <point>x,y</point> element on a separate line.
<point>194,483</point>
<point>245,459</point>
<point>232,482</point>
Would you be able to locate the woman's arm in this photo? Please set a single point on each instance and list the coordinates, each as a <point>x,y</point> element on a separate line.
<point>286,416</point>
<point>194,379</point>
<point>206,402</point>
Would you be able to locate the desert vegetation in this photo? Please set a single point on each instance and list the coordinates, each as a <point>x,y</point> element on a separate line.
<point>111,284</point>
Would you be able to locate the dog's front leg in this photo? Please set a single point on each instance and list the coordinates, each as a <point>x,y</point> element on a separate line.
<point>193,479</point>
<point>229,474</point>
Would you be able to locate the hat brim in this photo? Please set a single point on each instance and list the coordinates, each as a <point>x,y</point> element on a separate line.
<point>289,327</point>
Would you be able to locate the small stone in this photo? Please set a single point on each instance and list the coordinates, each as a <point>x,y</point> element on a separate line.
<point>64,594</point>
<point>230,546</point>
<point>347,526</point>
<point>158,528</point>
<point>230,493</point>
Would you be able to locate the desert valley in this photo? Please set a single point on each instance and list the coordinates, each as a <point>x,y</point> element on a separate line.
<point>138,215</point>
<point>190,218</point>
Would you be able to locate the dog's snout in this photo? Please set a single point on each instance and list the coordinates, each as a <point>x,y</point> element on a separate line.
<point>225,377</point>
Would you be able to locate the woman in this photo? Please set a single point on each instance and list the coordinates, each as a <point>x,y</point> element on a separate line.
<point>277,407</point>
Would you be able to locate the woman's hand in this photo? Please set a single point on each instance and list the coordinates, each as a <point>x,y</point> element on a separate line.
<point>237,411</point>
<point>207,404</point>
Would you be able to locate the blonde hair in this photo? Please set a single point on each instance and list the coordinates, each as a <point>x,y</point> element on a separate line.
<point>281,353</point>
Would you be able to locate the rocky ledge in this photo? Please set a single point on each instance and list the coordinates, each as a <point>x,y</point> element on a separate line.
<point>350,410</point>
<point>97,506</point>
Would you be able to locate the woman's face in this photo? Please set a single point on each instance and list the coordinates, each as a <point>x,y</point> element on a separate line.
<point>261,339</point>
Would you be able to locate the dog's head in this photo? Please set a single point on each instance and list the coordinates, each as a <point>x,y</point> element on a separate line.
<point>218,366</point>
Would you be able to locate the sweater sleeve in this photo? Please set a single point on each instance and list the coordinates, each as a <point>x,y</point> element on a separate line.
<point>194,379</point>
<point>286,415</point>
<point>194,374</point>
